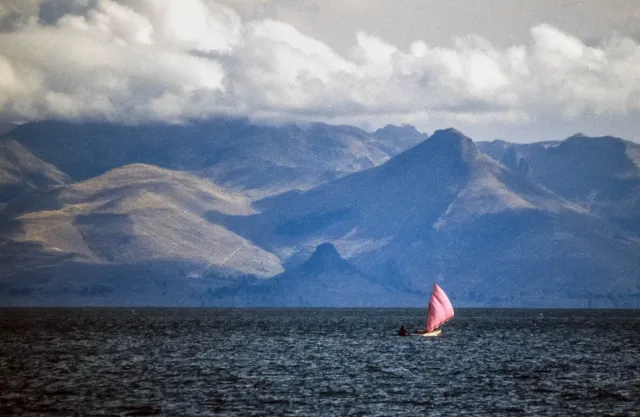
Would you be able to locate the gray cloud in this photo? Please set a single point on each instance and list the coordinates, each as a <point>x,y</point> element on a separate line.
<point>51,11</point>
<point>142,60</point>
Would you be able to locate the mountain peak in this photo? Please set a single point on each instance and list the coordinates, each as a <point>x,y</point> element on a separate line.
<point>325,256</point>
<point>450,137</point>
<point>450,133</point>
<point>395,129</point>
<point>396,139</point>
<point>326,252</point>
<point>578,135</point>
<point>451,130</point>
<point>606,138</point>
<point>449,143</point>
<point>445,150</point>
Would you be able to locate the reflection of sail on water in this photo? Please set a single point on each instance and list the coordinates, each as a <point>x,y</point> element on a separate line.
<point>440,309</point>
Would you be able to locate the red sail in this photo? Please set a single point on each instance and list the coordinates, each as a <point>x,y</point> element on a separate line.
<point>440,309</point>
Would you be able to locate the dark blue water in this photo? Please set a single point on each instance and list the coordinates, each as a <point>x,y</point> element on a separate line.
<point>334,362</point>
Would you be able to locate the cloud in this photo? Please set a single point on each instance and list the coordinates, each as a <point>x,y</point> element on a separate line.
<point>144,60</point>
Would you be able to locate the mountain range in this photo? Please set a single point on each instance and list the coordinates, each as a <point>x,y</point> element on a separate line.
<point>231,212</point>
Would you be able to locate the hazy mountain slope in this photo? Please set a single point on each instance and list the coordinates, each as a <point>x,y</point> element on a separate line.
<point>234,153</point>
<point>395,139</point>
<point>323,280</point>
<point>444,211</point>
<point>550,224</point>
<point>6,127</point>
<point>516,155</point>
<point>134,214</point>
<point>425,186</point>
<point>21,171</point>
<point>144,283</point>
<point>600,174</point>
<point>502,151</point>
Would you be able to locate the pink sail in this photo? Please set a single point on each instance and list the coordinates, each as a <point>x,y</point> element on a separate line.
<point>440,309</point>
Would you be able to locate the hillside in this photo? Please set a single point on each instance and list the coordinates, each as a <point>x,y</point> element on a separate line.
<point>131,216</point>
<point>105,214</point>
<point>323,280</point>
<point>444,211</point>
<point>21,171</point>
<point>257,160</point>
<point>601,174</point>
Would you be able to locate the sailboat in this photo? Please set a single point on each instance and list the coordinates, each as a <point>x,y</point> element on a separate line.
<point>440,311</point>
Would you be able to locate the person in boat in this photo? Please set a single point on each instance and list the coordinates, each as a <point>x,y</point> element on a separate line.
<point>402,331</point>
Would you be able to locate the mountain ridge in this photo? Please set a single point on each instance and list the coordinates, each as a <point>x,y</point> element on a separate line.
<point>21,171</point>
<point>551,224</point>
<point>390,209</point>
<point>256,159</point>
<point>325,279</point>
<point>604,177</point>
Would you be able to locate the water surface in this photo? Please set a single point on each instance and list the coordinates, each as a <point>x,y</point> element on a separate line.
<point>329,362</point>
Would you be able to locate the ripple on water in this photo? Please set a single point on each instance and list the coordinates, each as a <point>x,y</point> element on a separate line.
<point>201,362</point>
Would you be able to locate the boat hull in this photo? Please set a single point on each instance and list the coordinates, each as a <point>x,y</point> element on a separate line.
<point>432,334</point>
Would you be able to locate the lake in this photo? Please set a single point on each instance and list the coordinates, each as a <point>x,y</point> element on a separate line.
<point>325,362</point>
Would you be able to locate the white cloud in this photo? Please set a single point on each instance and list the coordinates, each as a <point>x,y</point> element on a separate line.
<point>190,24</point>
<point>114,22</point>
<point>143,60</point>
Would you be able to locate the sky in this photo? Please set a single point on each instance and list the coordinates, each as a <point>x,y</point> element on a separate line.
<point>509,69</point>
